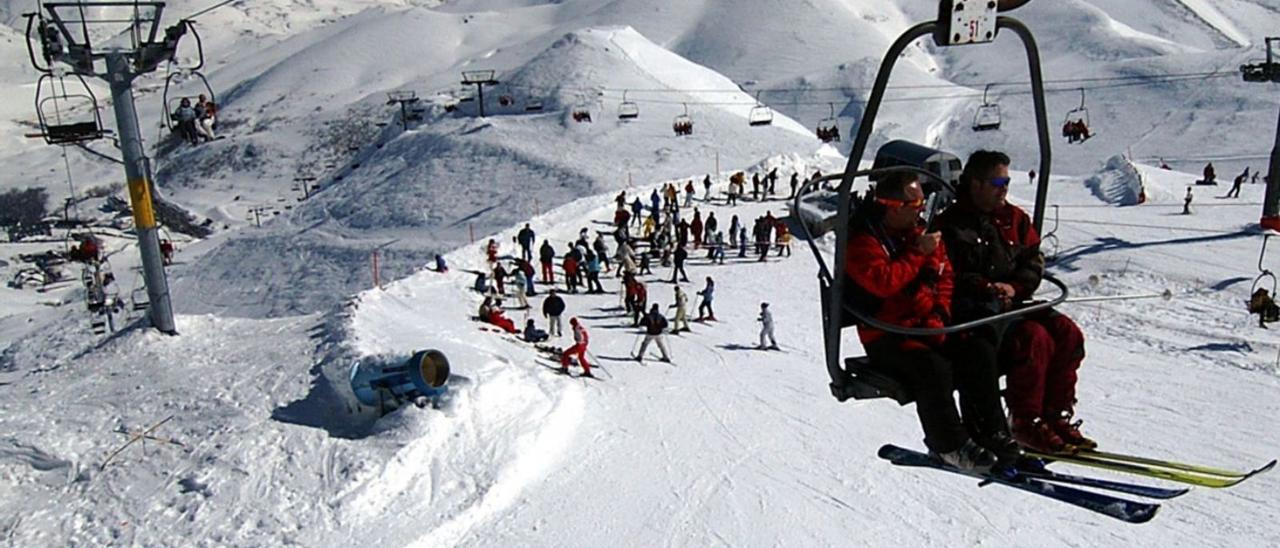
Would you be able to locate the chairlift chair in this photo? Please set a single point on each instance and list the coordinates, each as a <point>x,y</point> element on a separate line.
<point>175,80</point>
<point>582,111</point>
<point>628,110</point>
<point>1079,114</point>
<point>760,114</point>
<point>533,104</point>
<point>828,129</point>
<point>987,118</point>
<point>1263,71</point>
<point>851,378</point>
<point>67,114</point>
<point>683,124</point>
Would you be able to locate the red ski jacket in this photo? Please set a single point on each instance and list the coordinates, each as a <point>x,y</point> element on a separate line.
<point>912,289</point>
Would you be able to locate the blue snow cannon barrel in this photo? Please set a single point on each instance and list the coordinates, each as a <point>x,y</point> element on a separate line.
<point>419,379</point>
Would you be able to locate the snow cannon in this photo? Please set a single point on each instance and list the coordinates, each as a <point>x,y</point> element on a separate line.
<point>420,379</point>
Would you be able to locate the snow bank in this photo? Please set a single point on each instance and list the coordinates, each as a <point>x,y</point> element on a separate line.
<point>1118,183</point>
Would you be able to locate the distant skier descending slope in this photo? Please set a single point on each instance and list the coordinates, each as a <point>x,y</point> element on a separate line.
<point>766,327</point>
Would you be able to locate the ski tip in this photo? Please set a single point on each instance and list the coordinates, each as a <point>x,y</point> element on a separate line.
<point>1143,515</point>
<point>1266,468</point>
<point>887,450</point>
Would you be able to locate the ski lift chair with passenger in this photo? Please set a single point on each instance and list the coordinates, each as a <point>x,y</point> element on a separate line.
<point>682,124</point>
<point>1075,125</point>
<point>828,129</point>
<point>858,377</point>
<point>987,118</point>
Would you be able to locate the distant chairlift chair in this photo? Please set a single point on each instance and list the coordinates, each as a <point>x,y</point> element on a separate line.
<point>760,115</point>
<point>1075,126</point>
<point>682,124</point>
<point>827,127</point>
<point>628,110</point>
<point>987,118</point>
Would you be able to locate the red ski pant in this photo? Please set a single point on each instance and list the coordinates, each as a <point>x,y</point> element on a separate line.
<point>1042,353</point>
<point>548,273</point>
<point>579,350</point>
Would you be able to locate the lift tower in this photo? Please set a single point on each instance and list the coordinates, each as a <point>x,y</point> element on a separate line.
<point>1268,71</point>
<point>116,41</point>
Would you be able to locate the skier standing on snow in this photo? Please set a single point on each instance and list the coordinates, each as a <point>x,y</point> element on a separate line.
<point>696,228</point>
<point>654,324</point>
<point>766,327</point>
<point>795,181</point>
<point>593,273</point>
<point>547,255</point>
<point>708,294</point>
<point>742,241</point>
<point>441,266</point>
<point>526,239</point>
<point>1186,203</point>
<point>602,251</point>
<point>678,269</point>
<point>571,272</point>
<point>709,226</point>
<point>579,349</point>
<point>995,250</point>
<point>689,192</point>
<point>552,308</point>
<point>682,312</point>
<point>733,231</point>
<point>520,285</point>
<point>637,211</point>
<point>891,260</point>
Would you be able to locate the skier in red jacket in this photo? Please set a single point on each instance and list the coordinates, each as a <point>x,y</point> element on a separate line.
<point>995,249</point>
<point>579,349</point>
<point>905,275</point>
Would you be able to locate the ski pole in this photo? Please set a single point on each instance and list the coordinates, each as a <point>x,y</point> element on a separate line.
<point>1166,295</point>
<point>634,345</point>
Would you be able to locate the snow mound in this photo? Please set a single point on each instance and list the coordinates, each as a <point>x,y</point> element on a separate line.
<point>1118,183</point>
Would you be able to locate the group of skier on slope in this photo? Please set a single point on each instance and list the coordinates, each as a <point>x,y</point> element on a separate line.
<point>981,258</point>
<point>665,238</point>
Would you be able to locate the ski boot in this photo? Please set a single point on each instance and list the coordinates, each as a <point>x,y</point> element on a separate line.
<point>1070,431</point>
<point>1037,435</point>
<point>970,457</point>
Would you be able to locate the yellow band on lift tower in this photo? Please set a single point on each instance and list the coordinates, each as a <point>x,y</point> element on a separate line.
<point>144,215</point>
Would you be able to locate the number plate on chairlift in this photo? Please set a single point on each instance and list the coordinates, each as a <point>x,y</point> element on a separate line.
<point>967,22</point>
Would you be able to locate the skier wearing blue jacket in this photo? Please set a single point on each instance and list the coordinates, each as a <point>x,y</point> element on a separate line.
<point>708,293</point>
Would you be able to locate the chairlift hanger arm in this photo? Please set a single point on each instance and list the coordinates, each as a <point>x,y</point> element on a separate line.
<point>31,50</point>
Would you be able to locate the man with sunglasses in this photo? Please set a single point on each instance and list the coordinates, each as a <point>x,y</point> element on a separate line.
<point>995,249</point>
<point>901,275</point>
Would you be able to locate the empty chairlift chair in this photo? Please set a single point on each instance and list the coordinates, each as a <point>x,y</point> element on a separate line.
<point>760,114</point>
<point>67,110</point>
<point>628,110</point>
<point>987,118</point>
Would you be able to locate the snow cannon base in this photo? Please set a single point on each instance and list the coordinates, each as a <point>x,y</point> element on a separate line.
<point>420,379</point>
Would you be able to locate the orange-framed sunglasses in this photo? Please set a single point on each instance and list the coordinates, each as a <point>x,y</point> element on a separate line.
<point>913,204</point>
